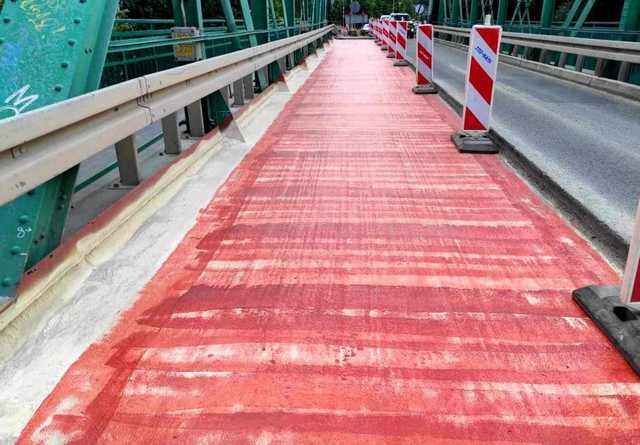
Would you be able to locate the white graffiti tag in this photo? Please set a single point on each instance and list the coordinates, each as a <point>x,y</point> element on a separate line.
<point>17,102</point>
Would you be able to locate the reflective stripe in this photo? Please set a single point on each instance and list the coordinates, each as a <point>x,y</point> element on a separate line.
<point>424,54</point>
<point>401,40</point>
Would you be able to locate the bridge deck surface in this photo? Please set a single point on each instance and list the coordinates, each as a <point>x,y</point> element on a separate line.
<point>356,280</point>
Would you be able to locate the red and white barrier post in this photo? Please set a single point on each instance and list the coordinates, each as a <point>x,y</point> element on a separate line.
<point>376,32</point>
<point>392,39</point>
<point>385,35</point>
<point>630,290</point>
<point>401,43</point>
<point>482,68</point>
<point>424,60</point>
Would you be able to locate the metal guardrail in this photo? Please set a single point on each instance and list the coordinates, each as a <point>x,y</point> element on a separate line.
<point>620,51</point>
<point>39,145</point>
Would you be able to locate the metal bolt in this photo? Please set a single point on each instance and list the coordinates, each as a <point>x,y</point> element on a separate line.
<point>6,282</point>
<point>24,219</point>
<point>64,64</point>
<point>6,20</point>
<point>71,42</point>
<point>58,88</point>
<point>15,250</point>
<point>76,21</point>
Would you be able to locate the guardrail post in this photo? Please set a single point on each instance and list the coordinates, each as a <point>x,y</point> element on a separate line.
<point>624,71</point>
<point>579,63</point>
<point>238,93</point>
<point>248,86</point>
<point>599,69</point>
<point>171,134</point>
<point>195,119</point>
<point>562,61</point>
<point>127,155</point>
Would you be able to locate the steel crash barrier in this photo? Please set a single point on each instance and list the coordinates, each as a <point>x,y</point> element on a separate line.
<point>553,54</point>
<point>39,145</point>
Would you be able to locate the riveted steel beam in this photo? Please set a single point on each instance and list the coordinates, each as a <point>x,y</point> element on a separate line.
<point>69,42</point>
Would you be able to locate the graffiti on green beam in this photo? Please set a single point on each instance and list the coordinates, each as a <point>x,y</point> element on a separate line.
<point>17,102</point>
<point>40,14</point>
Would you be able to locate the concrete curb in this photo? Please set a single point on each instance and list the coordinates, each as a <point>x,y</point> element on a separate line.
<point>626,90</point>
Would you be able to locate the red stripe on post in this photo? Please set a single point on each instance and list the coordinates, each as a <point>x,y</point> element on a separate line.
<point>635,293</point>
<point>424,56</point>
<point>480,80</point>
<point>471,122</point>
<point>491,36</point>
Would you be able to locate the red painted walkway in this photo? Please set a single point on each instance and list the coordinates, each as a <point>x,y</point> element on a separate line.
<point>358,281</point>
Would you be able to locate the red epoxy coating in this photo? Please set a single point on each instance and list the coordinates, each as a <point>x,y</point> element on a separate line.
<point>357,280</point>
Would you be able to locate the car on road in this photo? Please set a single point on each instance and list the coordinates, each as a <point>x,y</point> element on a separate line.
<point>401,16</point>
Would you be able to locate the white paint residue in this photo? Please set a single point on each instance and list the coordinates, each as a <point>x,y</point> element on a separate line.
<point>265,438</point>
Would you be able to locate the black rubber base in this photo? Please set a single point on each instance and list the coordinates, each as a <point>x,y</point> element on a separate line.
<point>425,89</point>
<point>390,56</point>
<point>474,142</point>
<point>619,322</point>
<point>400,63</point>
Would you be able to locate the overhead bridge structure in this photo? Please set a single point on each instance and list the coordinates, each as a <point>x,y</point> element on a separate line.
<point>247,229</point>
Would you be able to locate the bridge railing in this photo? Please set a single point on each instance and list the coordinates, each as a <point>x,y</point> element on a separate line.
<point>612,62</point>
<point>38,145</point>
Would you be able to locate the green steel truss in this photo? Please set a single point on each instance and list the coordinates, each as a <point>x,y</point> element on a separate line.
<point>77,50</point>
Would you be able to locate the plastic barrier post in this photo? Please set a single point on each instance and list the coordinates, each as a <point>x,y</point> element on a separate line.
<point>482,68</point>
<point>401,43</point>
<point>424,61</point>
<point>392,39</point>
<point>616,309</point>
<point>385,35</point>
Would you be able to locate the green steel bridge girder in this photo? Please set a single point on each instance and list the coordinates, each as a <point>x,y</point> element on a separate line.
<point>69,42</point>
<point>455,11</point>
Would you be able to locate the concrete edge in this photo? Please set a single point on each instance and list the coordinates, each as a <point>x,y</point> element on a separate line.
<point>597,232</point>
<point>66,268</point>
<point>622,89</point>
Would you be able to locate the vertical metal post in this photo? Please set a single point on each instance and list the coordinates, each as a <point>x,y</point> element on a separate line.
<point>196,119</point>
<point>171,134</point>
<point>630,16</point>
<point>502,12</point>
<point>238,93</point>
<point>546,16</point>
<point>248,86</point>
<point>192,13</point>
<point>127,155</point>
<point>253,39</point>
<point>474,13</point>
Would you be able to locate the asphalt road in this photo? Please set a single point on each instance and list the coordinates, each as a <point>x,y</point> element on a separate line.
<point>585,140</point>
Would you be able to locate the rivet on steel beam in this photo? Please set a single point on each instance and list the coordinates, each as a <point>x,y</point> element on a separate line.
<point>58,88</point>
<point>24,219</point>
<point>6,282</point>
<point>64,64</point>
<point>71,42</point>
<point>6,20</point>
<point>76,21</point>
<point>15,250</point>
